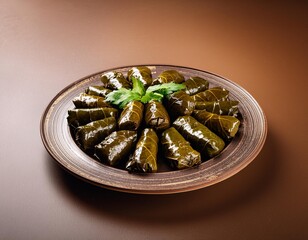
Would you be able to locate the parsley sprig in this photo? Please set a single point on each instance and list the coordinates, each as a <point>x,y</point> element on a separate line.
<point>123,96</point>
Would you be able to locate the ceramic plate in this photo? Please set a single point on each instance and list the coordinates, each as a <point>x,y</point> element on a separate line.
<point>237,155</point>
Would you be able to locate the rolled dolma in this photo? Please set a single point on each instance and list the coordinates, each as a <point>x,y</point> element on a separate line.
<point>89,135</point>
<point>144,74</point>
<point>156,116</point>
<point>116,147</point>
<point>114,80</point>
<point>220,107</point>
<point>144,158</point>
<point>98,91</point>
<point>212,94</point>
<point>180,103</point>
<point>178,151</point>
<point>200,137</point>
<point>195,85</point>
<point>169,76</point>
<point>90,101</point>
<point>80,117</point>
<point>131,116</point>
<point>224,126</point>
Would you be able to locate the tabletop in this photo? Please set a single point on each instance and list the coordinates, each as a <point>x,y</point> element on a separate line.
<point>46,45</point>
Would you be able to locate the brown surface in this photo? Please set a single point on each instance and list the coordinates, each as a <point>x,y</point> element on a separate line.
<point>45,45</point>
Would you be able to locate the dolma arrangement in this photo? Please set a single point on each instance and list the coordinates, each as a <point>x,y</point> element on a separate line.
<point>139,119</point>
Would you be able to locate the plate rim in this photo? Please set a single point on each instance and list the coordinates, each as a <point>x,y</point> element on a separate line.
<point>83,177</point>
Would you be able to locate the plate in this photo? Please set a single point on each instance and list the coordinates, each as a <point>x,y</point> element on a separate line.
<point>237,155</point>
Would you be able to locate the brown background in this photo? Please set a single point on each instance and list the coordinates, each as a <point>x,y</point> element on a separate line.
<point>46,45</point>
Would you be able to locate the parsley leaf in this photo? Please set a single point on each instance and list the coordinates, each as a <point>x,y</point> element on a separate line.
<point>166,88</point>
<point>151,96</point>
<point>123,96</point>
<point>138,86</point>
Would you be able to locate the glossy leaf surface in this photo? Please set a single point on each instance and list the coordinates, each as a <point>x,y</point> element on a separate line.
<point>131,116</point>
<point>114,80</point>
<point>80,117</point>
<point>212,94</point>
<point>195,85</point>
<point>180,103</point>
<point>143,73</point>
<point>224,126</point>
<point>144,158</point>
<point>90,101</point>
<point>94,132</point>
<point>116,147</point>
<point>220,107</point>
<point>156,116</point>
<point>169,76</point>
<point>200,137</point>
<point>97,91</point>
<point>178,151</point>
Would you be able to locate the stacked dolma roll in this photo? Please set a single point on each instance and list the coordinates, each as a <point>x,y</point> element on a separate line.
<point>186,128</point>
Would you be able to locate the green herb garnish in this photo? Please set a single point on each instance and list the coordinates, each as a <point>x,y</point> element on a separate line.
<point>138,86</point>
<point>123,96</point>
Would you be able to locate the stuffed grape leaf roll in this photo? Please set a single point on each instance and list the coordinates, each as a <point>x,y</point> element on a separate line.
<point>169,76</point>
<point>156,116</point>
<point>98,91</point>
<point>131,116</point>
<point>212,94</point>
<point>143,73</point>
<point>80,117</point>
<point>89,135</point>
<point>90,101</point>
<point>180,103</point>
<point>220,107</point>
<point>116,147</point>
<point>144,158</point>
<point>224,126</point>
<point>195,85</point>
<point>177,150</point>
<point>200,137</point>
<point>114,80</point>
